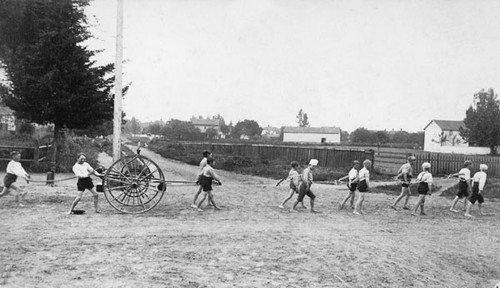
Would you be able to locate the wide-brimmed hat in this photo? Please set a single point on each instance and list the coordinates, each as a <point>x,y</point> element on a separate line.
<point>313,162</point>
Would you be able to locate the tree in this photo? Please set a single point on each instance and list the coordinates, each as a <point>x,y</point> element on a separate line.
<point>482,121</point>
<point>155,129</point>
<point>382,137</point>
<point>182,130</point>
<point>51,77</point>
<point>246,127</point>
<point>302,119</point>
<point>223,127</point>
<point>363,135</point>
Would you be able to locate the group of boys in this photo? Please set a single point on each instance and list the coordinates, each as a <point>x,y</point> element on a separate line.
<point>469,188</point>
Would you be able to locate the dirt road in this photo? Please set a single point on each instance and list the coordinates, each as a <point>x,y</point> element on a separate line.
<point>250,243</point>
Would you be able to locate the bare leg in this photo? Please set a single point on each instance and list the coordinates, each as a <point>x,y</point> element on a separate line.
<point>407,199</point>
<point>75,202</point>
<point>196,197</point>
<point>201,201</point>
<point>467,209</point>
<point>345,200</point>
<point>287,198</point>
<point>480,208</point>
<point>353,194</point>
<point>359,204</point>
<point>312,206</point>
<point>96,200</point>
<point>419,202</point>
<point>211,200</point>
<point>294,207</point>
<point>5,191</point>
<point>404,192</point>
<point>453,204</point>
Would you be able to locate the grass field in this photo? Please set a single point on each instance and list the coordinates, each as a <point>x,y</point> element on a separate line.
<point>250,243</point>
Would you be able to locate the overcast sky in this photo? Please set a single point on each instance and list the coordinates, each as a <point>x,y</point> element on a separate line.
<point>376,64</point>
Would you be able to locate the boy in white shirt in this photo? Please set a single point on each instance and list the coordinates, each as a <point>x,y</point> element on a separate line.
<point>14,170</point>
<point>207,176</point>
<point>424,180</point>
<point>464,185</point>
<point>405,174</point>
<point>83,170</point>
<point>305,186</point>
<point>363,186</point>
<point>479,180</point>
<point>352,184</point>
<point>202,165</point>
<point>294,178</point>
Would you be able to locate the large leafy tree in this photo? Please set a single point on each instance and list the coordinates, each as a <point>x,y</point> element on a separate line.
<point>182,130</point>
<point>302,119</point>
<point>51,76</point>
<point>482,120</point>
<point>246,127</point>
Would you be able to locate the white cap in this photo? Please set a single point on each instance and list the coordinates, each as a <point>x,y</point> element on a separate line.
<point>483,167</point>
<point>313,162</point>
<point>426,165</point>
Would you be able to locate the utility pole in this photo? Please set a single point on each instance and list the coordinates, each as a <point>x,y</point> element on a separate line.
<point>117,123</point>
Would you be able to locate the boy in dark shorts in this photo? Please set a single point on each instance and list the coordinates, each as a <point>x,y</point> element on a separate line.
<point>294,178</point>
<point>352,184</point>
<point>479,180</point>
<point>464,185</point>
<point>305,185</point>
<point>363,186</point>
<point>83,170</point>
<point>404,174</point>
<point>14,170</point>
<point>202,165</point>
<point>424,180</point>
<point>207,176</point>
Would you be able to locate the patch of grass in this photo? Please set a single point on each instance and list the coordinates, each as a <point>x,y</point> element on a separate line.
<point>491,189</point>
<point>395,189</point>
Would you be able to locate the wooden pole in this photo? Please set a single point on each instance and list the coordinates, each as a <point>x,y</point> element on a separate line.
<point>117,123</point>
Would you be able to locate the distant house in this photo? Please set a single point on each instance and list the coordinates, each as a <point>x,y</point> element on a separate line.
<point>7,119</point>
<point>204,124</point>
<point>444,136</point>
<point>270,132</point>
<point>311,134</point>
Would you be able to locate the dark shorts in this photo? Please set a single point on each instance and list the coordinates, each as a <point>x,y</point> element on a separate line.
<point>475,194</point>
<point>9,179</point>
<point>292,186</point>
<point>303,192</point>
<point>407,183</point>
<point>463,189</point>
<point>206,183</point>
<point>362,186</point>
<point>84,183</point>
<point>353,186</point>
<point>423,188</point>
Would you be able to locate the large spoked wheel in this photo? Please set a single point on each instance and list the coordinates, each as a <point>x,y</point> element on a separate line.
<point>134,184</point>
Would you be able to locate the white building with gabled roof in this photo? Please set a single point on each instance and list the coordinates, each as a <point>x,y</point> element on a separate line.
<point>311,134</point>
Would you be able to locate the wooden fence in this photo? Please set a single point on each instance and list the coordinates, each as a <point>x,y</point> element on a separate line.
<point>28,154</point>
<point>327,156</point>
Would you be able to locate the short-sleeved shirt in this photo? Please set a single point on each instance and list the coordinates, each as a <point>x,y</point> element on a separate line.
<point>364,174</point>
<point>17,169</point>
<point>480,177</point>
<point>307,176</point>
<point>294,177</point>
<point>406,169</point>
<point>353,176</point>
<point>464,174</point>
<point>425,177</point>
<point>82,170</point>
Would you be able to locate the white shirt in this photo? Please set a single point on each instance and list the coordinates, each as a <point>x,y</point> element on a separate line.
<point>425,176</point>
<point>406,169</point>
<point>208,171</point>
<point>353,176</point>
<point>364,174</point>
<point>481,178</point>
<point>307,176</point>
<point>464,174</point>
<point>203,163</point>
<point>294,177</point>
<point>16,168</point>
<point>82,170</point>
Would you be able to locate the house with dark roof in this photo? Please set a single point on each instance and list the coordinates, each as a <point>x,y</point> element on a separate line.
<point>203,124</point>
<point>444,136</point>
<point>311,134</point>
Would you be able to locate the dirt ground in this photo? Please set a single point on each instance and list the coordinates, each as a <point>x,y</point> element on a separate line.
<point>250,243</point>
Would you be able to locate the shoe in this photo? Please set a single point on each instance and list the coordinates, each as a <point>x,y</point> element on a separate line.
<point>357,213</point>
<point>194,206</point>
<point>199,210</point>
<point>454,210</point>
<point>21,205</point>
<point>281,206</point>
<point>422,213</point>
<point>468,215</point>
<point>352,207</point>
<point>406,208</point>
<point>413,214</point>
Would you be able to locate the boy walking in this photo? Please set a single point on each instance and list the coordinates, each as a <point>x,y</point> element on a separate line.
<point>363,186</point>
<point>352,184</point>
<point>294,178</point>
<point>14,170</point>
<point>405,174</point>
<point>305,185</point>
<point>207,176</point>
<point>424,180</point>
<point>202,165</point>
<point>479,180</point>
<point>464,185</point>
<point>83,170</point>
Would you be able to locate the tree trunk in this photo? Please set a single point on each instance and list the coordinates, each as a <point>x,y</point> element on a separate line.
<point>55,146</point>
